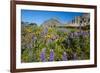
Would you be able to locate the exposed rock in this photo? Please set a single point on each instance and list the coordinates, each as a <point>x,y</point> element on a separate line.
<point>51,23</point>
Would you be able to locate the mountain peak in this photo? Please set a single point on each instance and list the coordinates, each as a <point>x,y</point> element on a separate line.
<point>51,23</point>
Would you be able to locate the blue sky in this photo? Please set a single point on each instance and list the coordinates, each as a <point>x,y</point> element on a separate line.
<point>37,16</point>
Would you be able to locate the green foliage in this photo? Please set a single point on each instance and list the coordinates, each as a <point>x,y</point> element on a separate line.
<point>34,38</point>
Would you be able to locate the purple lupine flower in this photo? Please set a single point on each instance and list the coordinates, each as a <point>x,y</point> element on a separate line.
<point>76,34</point>
<point>64,57</point>
<point>34,38</point>
<point>51,55</point>
<point>42,55</point>
<point>82,33</point>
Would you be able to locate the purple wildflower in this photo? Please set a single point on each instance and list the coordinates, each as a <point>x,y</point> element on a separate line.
<point>64,57</point>
<point>76,34</point>
<point>51,55</point>
<point>42,55</point>
<point>34,38</point>
<point>82,33</point>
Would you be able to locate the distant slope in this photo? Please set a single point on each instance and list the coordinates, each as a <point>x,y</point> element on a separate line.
<point>51,23</point>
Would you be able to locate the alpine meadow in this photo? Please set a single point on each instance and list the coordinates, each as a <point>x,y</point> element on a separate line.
<point>48,36</point>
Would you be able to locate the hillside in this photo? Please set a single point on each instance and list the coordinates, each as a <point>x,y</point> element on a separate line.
<point>51,23</point>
